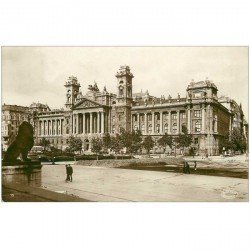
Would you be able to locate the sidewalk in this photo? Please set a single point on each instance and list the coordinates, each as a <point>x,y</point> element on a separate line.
<point>25,193</point>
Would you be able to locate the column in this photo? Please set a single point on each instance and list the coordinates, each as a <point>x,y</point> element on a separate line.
<point>49,127</point>
<point>53,127</point>
<point>77,123</point>
<point>153,123</point>
<point>189,121</point>
<point>138,121</point>
<point>178,121</point>
<point>203,119</point>
<point>73,124</point>
<point>169,122</point>
<point>102,122</point>
<point>83,123</point>
<point>98,122</point>
<point>90,123</point>
<point>215,124</point>
<point>146,123</point>
<point>60,127</point>
<point>161,121</point>
<point>211,119</point>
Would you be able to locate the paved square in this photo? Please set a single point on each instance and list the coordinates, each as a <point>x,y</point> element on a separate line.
<point>110,184</point>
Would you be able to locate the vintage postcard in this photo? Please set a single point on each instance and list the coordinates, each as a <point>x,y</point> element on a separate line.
<point>114,124</point>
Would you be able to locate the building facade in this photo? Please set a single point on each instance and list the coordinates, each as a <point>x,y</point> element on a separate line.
<point>206,117</point>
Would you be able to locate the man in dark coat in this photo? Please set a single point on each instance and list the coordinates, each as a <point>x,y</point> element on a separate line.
<point>67,172</point>
<point>70,170</point>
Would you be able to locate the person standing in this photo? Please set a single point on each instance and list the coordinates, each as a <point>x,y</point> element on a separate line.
<point>67,172</point>
<point>195,165</point>
<point>70,172</point>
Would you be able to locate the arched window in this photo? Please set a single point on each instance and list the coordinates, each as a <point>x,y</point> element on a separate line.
<point>197,127</point>
<point>129,92</point>
<point>121,91</point>
<point>174,128</point>
<point>150,129</point>
<point>143,129</point>
<point>166,128</point>
<point>158,128</point>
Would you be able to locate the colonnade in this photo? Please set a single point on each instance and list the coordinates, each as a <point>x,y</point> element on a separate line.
<point>51,127</point>
<point>161,122</point>
<point>88,123</point>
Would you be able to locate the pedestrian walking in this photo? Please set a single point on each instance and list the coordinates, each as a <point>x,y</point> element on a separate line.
<point>70,172</point>
<point>195,166</point>
<point>67,172</point>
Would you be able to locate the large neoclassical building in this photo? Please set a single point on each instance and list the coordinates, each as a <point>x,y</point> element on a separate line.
<point>206,116</point>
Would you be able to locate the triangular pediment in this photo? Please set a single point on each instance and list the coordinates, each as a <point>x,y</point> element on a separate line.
<point>86,103</point>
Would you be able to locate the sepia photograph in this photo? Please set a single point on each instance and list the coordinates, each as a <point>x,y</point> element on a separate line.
<point>124,124</point>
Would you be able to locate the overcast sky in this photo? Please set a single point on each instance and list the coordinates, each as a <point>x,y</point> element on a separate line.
<point>32,74</point>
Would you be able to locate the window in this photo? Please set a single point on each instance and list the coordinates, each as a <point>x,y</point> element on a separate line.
<point>183,115</point>
<point>174,128</point>
<point>158,128</point>
<point>150,129</point>
<point>196,141</point>
<point>135,118</point>
<point>166,128</point>
<point>150,117</point>
<point>142,118</point>
<point>157,116</point>
<point>197,127</point>
<point>197,113</point>
<point>143,129</point>
<point>174,116</point>
<point>113,129</point>
<point>135,127</point>
<point>121,91</point>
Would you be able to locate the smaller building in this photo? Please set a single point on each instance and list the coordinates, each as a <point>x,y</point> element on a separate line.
<point>12,117</point>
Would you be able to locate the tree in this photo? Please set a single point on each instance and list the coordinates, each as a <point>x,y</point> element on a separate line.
<point>136,143</point>
<point>225,143</point>
<point>166,140</point>
<point>106,141</point>
<point>74,144</point>
<point>238,140</point>
<point>126,139</point>
<point>116,144</point>
<point>96,146</point>
<point>148,143</point>
<point>45,143</point>
<point>184,140</point>
<point>131,141</point>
